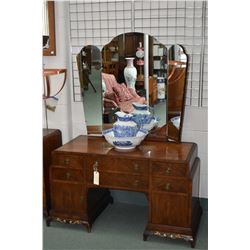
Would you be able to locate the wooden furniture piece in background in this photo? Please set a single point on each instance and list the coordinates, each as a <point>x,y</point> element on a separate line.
<point>110,67</point>
<point>152,85</point>
<point>109,115</point>
<point>167,173</point>
<point>52,139</point>
<point>152,89</point>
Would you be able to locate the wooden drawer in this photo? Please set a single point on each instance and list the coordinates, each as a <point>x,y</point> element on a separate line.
<point>68,174</point>
<point>170,185</point>
<point>168,169</point>
<point>117,180</point>
<point>119,165</point>
<point>71,161</point>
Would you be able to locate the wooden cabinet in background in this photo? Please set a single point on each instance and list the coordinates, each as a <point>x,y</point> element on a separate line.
<point>167,173</point>
<point>152,91</point>
<point>52,139</point>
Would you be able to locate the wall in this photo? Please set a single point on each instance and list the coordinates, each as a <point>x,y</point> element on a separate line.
<point>62,117</point>
<point>196,130</point>
<point>69,116</point>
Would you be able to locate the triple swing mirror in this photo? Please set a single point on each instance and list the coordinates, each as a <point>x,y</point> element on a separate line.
<point>158,80</point>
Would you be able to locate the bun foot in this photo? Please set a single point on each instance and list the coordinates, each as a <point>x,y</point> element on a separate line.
<point>192,243</point>
<point>145,237</point>
<point>48,220</point>
<point>88,227</point>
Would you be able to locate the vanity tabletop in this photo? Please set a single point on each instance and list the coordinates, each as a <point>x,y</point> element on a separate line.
<point>167,151</point>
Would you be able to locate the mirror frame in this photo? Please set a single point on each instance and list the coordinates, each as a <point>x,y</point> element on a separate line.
<point>167,132</point>
<point>178,136</point>
<point>51,51</point>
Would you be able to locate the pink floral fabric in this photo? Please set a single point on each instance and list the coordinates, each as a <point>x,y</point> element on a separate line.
<point>122,92</point>
<point>121,95</point>
<point>110,82</point>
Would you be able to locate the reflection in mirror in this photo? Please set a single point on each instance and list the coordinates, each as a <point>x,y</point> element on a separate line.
<point>134,70</point>
<point>89,68</point>
<point>177,70</point>
<point>157,78</point>
<point>49,46</point>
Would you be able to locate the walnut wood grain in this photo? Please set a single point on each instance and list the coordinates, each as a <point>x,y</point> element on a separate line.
<point>52,139</point>
<point>170,152</point>
<point>168,173</point>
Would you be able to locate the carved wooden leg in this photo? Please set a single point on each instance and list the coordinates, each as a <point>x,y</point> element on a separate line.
<point>145,237</point>
<point>192,243</point>
<point>88,226</point>
<point>48,220</point>
<point>111,201</point>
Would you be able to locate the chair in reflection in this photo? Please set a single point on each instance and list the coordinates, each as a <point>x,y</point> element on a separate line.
<point>119,95</point>
<point>84,71</point>
<point>110,67</point>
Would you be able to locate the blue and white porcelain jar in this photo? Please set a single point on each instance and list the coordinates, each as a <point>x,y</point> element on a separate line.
<point>141,114</point>
<point>124,126</point>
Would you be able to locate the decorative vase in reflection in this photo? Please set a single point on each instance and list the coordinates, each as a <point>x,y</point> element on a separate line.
<point>130,73</point>
<point>161,89</point>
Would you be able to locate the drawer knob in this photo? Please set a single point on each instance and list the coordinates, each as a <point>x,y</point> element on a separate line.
<point>168,170</point>
<point>81,199</point>
<point>167,187</point>
<point>66,161</point>
<point>136,183</point>
<point>68,175</point>
<point>136,167</point>
<point>95,166</point>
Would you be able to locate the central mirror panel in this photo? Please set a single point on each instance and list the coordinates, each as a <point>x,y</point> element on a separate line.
<point>124,62</point>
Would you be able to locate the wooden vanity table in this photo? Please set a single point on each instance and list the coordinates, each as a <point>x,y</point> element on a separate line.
<point>168,174</point>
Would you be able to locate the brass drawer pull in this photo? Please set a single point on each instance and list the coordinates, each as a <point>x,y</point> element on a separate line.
<point>167,187</point>
<point>81,199</point>
<point>68,175</point>
<point>95,166</point>
<point>136,167</point>
<point>136,183</point>
<point>168,171</point>
<point>66,161</point>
